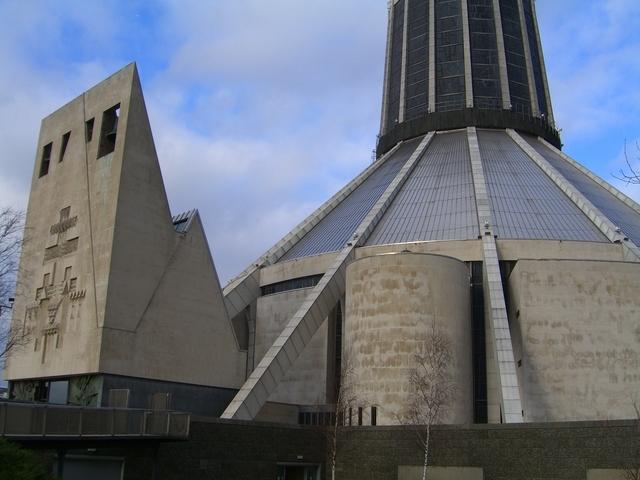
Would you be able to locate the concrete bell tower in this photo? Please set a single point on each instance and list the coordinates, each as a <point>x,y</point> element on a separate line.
<point>113,292</point>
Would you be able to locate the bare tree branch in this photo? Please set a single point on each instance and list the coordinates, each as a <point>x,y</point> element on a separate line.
<point>630,175</point>
<point>633,473</point>
<point>12,337</point>
<point>346,401</point>
<point>432,390</point>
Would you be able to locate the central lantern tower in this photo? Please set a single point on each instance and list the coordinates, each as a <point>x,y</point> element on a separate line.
<point>459,63</point>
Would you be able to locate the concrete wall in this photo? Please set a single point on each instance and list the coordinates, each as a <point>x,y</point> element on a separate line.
<point>183,335</point>
<point>391,304</point>
<point>251,450</point>
<point>503,452</point>
<point>296,268</point>
<point>576,332</point>
<point>305,383</point>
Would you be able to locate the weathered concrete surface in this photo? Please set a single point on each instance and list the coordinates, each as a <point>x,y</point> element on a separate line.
<point>411,472</point>
<point>299,267</point>
<point>107,284</point>
<point>576,329</point>
<point>305,382</point>
<point>465,250</point>
<point>391,303</point>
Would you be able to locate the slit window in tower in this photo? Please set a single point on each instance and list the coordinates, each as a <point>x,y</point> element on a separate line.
<point>46,159</point>
<point>63,145</point>
<point>374,415</point>
<point>450,86</point>
<point>108,131</point>
<point>88,129</point>
<point>417,74</point>
<point>484,55</point>
<point>359,416</point>
<point>516,63</point>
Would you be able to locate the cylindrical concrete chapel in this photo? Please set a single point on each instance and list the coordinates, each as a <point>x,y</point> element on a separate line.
<point>392,301</point>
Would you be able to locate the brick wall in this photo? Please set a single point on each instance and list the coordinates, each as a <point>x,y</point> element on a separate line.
<point>244,450</point>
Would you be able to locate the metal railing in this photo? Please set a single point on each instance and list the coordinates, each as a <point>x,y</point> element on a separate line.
<point>45,420</point>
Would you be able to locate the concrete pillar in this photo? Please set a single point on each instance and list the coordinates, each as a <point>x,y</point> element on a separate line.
<point>387,73</point>
<point>499,343</point>
<point>545,81</point>
<point>403,74</point>
<point>502,57</point>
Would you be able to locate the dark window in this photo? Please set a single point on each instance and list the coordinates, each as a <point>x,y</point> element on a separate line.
<point>478,346</point>
<point>46,159</point>
<point>374,416</point>
<point>89,129</point>
<point>359,415</point>
<point>108,131</point>
<point>350,416</point>
<point>63,145</point>
<point>293,284</point>
<point>42,391</point>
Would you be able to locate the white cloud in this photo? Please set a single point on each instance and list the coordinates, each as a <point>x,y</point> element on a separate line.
<point>592,58</point>
<point>261,110</point>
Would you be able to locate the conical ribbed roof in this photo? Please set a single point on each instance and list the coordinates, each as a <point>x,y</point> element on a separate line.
<point>437,202</point>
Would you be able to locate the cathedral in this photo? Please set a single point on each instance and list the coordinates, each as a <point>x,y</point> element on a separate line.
<point>471,220</point>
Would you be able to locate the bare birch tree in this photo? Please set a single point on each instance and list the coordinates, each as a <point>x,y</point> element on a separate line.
<point>346,401</point>
<point>634,472</point>
<point>432,390</point>
<point>11,228</point>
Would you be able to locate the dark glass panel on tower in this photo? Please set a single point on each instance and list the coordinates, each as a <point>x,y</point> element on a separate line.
<point>484,54</point>
<point>536,59</point>
<point>449,56</point>
<point>416,88</point>
<point>516,62</point>
<point>395,68</point>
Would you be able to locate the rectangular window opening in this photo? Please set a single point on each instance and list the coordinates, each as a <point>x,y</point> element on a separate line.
<point>46,159</point>
<point>109,131</point>
<point>89,129</point>
<point>359,416</point>
<point>63,146</point>
<point>374,416</point>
